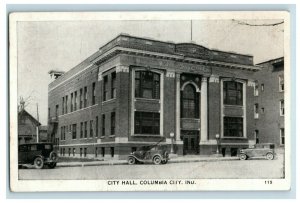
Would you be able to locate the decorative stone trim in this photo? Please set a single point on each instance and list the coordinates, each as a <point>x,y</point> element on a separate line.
<point>122,68</point>
<point>99,76</point>
<point>170,74</point>
<point>251,83</point>
<point>204,79</point>
<point>214,78</point>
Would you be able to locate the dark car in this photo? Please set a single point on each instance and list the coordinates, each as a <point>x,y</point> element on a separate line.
<point>37,154</point>
<point>158,154</point>
<point>265,150</point>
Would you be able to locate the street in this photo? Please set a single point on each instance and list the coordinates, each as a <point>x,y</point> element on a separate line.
<point>256,168</point>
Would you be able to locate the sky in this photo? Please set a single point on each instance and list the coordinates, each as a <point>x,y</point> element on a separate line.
<point>60,45</point>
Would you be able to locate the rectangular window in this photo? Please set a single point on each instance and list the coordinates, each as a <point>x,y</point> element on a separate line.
<point>94,94</point>
<point>262,110</point>
<point>62,133</point>
<point>80,152</point>
<point>56,110</point>
<point>281,83</point>
<point>103,125</point>
<point>64,150</point>
<point>262,87</point>
<point>74,151</point>
<point>233,93</point>
<point>97,126</point>
<point>282,141</point>
<point>281,107</point>
<point>147,85</point>
<point>102,151</point>
<point>69,151</point>
<point>112,123</point>
<point>72,102</point>
<point>65,130</point>
<point>113,85</point>
<point>66,109</point>
<point>75,101</point>
<point>80,99</point>
<point>96,152</point>
<point>256,89</point>
<point>85,152</point>
<point>256,136</point>
<point>49,113</point>
<point>91,128</point>
<point>256,113</point>
<point>233,127</point>
<point>85,96</point>
<point>146,123</point>
<point>63,106</point>
<point>81,130</point>
<point>112,151</point>
<point>74,128</point>
<point>85,129</point>
<point>105,88</point>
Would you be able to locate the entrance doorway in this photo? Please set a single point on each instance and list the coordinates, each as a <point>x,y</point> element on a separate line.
<point>190,141</point>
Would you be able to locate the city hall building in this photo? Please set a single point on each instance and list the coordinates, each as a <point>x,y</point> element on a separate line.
<point>135,91</point>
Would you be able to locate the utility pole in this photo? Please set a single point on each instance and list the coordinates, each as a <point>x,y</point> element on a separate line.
<point>37,127</point>
<point>191,30</point>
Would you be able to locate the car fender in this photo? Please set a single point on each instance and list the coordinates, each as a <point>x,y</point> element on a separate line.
<point>159,156</point>
<point>136,158</point>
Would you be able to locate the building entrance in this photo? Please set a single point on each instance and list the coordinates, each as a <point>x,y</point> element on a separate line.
<point>190,141</point>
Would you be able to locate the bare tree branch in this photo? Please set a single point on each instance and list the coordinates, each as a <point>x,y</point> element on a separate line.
<point>265,24</point>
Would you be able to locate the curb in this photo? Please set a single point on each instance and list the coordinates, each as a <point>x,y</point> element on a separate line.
<point>83,164</point>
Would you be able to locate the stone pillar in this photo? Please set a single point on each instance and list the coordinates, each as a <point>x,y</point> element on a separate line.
<point>203,107</point>
<point>177,107</point>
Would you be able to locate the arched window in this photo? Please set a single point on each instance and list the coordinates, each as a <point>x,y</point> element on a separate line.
<point>147,85</point>
<point>189,102</point>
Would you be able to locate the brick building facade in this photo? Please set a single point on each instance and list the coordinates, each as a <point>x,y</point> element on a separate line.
<point>135,91</point>
<point>269,102</point>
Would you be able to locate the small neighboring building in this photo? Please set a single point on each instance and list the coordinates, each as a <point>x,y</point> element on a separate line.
<point>27,127</point>
<point>43,133</point>
<point>269,102</point>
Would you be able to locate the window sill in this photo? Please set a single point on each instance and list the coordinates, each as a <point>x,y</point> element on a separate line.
<point>232,105</point>
<point>146,99</point>
<point>108,101</point>
<point>102,137</point>
<point>240,138</point>
<point>112,136</point>
<point>147,135</point>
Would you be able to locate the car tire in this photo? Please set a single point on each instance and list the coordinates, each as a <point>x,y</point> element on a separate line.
<point>157,160</point>
<point>131,160</point>
<point>164,161</point>
<point>243,157</point>
<point>270,156</point>
<point>38,163</point>
<point>52,165</point>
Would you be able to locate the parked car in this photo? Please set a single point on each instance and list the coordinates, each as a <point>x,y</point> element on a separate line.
<point>37,154</point>
<point>259,150</point>
<point>158,154</point>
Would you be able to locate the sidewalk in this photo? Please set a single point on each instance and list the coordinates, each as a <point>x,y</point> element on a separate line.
<point>178,159</point>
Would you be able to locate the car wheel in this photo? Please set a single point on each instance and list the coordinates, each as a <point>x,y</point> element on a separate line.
<point>243,156</point>
<point>131,160</point>
<point>38,163</point>
<point>164,161</point>
<point>52,165</point>
<point>270,156</point>
<point>157,160</point>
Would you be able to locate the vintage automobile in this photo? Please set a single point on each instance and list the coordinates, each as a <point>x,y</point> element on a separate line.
<point>158,154</point>
<point>37,154</point>
<point>265,150</point>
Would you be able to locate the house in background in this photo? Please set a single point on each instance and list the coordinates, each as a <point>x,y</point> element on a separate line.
<point>269,102</point>
<point>29,128</point>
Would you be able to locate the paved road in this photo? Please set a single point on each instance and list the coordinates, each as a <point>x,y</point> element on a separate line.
<point>217,169</point>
